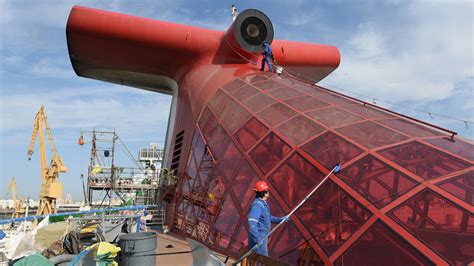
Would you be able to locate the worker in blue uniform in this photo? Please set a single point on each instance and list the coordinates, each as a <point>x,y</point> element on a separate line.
<point>260,219</point>
<point>267,55</point>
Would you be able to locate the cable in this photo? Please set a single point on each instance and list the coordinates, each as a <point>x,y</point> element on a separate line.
<point>124,148</point>
<point>243,57</point>
<point>431,114</point>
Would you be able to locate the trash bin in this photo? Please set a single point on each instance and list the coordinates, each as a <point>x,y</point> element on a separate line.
<point>137,248</point>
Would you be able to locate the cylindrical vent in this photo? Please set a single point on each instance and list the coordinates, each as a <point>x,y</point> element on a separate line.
<point>249,30</point>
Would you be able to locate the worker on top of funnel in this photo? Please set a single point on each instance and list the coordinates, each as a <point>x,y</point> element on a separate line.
<point>267,55</point>
<point>234,12</point>
<point>260,219</point>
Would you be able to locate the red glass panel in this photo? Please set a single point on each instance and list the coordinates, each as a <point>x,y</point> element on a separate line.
<point>219,141</point>
<point>191,168</point>
<point>252,132</point>
<point>234,85</point>
<point>180,219</point>
<point>218,100</point>
<point>461,186</point>
<point>235,118</point>
<point>243,184</point>
<point>367,111</point>
<point>240,241</point>
<point>306,103</point>
<point>268,153</point>
<point>303,254</point>
<point>205,167</point>
<point>311,90</point>
<point>381,246</point>
<point>286,241</point>
<point>226,222</point>
<point>208,123</point>
<point>332,216</point>
<point>215,192</point>
<point>376,181</point>
<point>456,146</point>
<point>371,135</point>
<point>424,161</point>
<point>330,149</point>
<point>198,146</point>
<point>221,103</point>
<point>267,84</point>
<point>445,227</point>
<point>294,179</point>
<point>332,98</point>
<point>186,184</point>
<point>284,93</point>
<point>259,102</point>
<point>230,160</point>
<point>300,129</point>
<point>194,161</point>
<point>410,128</point>
<point>255,78</point>
<point>333,116</point>
<point>244,92</point>
<point>202,231</point>
<point>275,208</point>
<point>276,113</point>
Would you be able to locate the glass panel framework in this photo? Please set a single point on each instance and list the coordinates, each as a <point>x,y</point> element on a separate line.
<point>263,127</point>
<point>446,228</point>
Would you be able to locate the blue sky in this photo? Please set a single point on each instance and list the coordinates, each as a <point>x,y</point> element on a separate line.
<point>413,53</point>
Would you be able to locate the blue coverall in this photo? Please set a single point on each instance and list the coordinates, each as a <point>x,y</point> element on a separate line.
<point>260,221</point>
<point>267,55</point>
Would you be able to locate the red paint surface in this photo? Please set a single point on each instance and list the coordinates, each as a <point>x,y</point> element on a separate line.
<point>404,195</point>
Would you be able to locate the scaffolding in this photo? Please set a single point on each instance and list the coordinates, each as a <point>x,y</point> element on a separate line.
<point>121,184</point>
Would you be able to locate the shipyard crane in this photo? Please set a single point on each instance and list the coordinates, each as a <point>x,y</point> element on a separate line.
<point>17,205</point>
<point>51,188</point>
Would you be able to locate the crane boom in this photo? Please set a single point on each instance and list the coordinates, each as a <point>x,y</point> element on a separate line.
<point>17,205</point>
<point>11,188</point>
<point>51,188</point>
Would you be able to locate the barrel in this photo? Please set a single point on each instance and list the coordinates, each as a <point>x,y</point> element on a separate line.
<point>138,248</point>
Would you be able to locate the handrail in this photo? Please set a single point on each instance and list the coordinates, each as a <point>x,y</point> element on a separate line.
<point>35,217</point>
<point>453,133</point>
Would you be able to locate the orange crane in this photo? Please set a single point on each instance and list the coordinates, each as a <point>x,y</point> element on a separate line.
<point>51,188</point>
<point>17,205</point>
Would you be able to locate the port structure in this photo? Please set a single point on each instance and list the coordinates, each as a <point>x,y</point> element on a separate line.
<point>137,184</point>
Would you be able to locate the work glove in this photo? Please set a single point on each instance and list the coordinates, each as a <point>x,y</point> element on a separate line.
<point>286,218</point>
<point>337,168</point>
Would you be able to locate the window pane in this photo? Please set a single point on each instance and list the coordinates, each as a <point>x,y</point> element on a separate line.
<point>330,149</point>
<point>381,246</point>
<point>447,228</point>
<point>424,161</point>
<point>371,135</point>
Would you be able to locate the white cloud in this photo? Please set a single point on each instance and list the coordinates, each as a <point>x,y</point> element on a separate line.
<point>368,44</point>
<point>13,61</point>
<point>82,108</point>
<point>47,68</point>
<point>422,63</point>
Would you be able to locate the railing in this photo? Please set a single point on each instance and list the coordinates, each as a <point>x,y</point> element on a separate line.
<point>255,259</point>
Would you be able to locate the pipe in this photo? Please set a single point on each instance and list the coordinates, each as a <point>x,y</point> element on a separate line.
<point>34,217</point>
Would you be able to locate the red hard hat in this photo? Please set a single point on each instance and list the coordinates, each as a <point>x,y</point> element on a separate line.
<point>261,186</point>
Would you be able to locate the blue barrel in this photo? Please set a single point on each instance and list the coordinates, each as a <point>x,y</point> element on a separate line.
<point>138,248</point>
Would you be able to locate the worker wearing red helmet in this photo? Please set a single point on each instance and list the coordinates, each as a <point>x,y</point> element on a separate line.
<point>260,219</point>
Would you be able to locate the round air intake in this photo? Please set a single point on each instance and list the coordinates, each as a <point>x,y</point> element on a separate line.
<point>250,29</point>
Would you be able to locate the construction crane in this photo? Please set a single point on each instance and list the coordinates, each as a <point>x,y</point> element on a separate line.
<point>51,188</point>
<point>17,205</point>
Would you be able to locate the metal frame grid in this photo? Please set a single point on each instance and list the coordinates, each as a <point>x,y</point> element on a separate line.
<point>264,127</point>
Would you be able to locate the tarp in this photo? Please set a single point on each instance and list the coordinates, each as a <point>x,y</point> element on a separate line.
<point>35,259</point>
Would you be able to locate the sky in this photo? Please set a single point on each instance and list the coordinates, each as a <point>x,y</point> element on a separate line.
<point>398,54</point>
